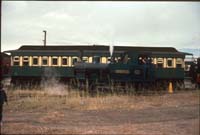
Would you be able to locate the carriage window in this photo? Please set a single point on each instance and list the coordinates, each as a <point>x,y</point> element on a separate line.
<point>187,67</point>
<point>44,61</point>
<point>117,59</point>
<point>74,60</point>
<point>96,59</point>
<point>25,61</point>
<point>54,61</point>
<point>90,59</point>
<point>65,61</point>
<point>35,61</point>
<point>160,62</point>
<point>108,60</point>
<point>85,59</point>
<point>125,59</point>
<point>152,60</point>
<point>179,63</point>
<point>143,60</point>
<point>169,62</point>
<point>16,58</point>
<point>103,60</point>
<point>16,61</point>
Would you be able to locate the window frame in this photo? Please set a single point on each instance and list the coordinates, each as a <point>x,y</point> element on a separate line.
<point>25,59</point>
<point>160,61</point>
<point>16,60</point>
<point>72,60</point>
<point>179,61</point>
<point>103,60</point>
<point>167,63</point>
<point>45,58</point>
<point>35,57</point>
<point>66,58</point>
<point>52,61</point>
<point>108,60</point>
<point>95,57</point>
<point>87,59</point>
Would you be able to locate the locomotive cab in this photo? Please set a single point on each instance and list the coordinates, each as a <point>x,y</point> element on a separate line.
<point>131,67</point>
<point>143,70</point>
<point>144,59</point>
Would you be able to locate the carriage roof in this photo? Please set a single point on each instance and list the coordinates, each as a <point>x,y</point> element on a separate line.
<point>88,50</point>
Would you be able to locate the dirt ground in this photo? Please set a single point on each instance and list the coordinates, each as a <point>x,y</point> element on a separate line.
<point>157,119</point>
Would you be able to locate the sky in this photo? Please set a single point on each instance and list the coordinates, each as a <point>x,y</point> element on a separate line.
<point>169,24</point>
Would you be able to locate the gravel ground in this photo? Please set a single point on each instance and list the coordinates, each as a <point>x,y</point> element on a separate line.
<point>180,119</point>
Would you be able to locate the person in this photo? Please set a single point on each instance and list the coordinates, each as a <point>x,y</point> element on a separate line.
<point>3,98</point>
<point>144,60</point>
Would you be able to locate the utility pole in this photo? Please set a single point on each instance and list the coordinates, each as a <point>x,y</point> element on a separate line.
<point>45,36</point>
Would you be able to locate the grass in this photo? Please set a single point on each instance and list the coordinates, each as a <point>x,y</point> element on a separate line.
<point>59,99</point>
<point>47,110</point>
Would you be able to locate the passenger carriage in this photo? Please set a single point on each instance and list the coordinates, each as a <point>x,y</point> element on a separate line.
<point>95,64</point>
<point>33,63</point>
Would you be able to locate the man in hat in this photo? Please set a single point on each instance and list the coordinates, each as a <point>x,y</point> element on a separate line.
<point>3,98</point>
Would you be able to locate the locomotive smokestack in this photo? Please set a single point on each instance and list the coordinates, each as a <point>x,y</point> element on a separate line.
<point>45,36</point>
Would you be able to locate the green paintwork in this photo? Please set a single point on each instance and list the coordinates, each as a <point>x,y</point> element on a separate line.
<point>169,73</point>
<point>42,71</point>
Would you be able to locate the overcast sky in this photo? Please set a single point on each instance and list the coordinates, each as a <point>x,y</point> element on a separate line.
<point>175,24</point>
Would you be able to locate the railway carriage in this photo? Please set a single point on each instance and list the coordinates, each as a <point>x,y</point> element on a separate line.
<point>34,63</point>
<point>90,65</point>
<point>147,65</point>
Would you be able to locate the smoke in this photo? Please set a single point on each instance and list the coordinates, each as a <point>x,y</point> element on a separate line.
<point>6,82</point>
<point>51,84</point>
<point>111,49</point>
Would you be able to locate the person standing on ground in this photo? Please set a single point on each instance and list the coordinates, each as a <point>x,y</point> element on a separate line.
<point>3,98</point>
